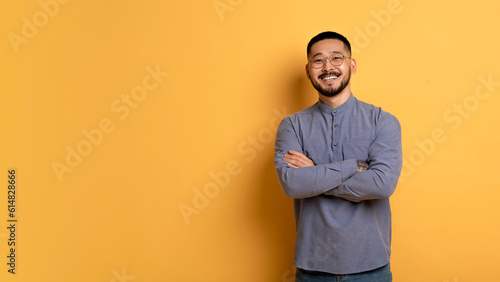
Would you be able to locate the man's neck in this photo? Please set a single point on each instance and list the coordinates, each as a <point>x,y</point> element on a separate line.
<point>336,100</point>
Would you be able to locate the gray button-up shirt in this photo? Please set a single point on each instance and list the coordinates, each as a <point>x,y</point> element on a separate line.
<point>343,217</point>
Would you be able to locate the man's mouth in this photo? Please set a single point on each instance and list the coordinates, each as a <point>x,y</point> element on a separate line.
<point>329,77</point>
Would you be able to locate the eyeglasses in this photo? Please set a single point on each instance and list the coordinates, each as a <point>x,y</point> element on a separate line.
<point>336,59</point>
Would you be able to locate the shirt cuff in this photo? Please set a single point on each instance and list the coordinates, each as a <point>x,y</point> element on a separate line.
<point>348,168</point>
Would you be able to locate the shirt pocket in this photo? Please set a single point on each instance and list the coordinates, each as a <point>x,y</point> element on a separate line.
<point>356,147</point>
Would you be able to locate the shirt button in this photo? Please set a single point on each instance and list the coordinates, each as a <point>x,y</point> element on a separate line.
<point>335,126</point>
<point>334,111</point>
<point>334,144</point>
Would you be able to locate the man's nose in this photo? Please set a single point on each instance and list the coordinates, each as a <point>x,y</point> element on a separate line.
<point>328,65</point>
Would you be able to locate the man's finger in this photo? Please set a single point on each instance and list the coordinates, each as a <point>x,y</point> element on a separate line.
<point>296,153</point>
<point>297,159</point>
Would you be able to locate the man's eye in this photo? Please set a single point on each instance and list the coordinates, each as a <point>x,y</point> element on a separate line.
<point>337,58</point>
<point>317,61</point>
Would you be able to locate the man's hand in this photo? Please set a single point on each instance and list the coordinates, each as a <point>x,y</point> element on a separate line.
<point>296,159</point>
<point>362,166</point>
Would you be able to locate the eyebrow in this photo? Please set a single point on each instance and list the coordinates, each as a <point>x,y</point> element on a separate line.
<point>337,52</point>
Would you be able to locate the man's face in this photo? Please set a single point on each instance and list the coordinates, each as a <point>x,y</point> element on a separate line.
<point>330,80</point>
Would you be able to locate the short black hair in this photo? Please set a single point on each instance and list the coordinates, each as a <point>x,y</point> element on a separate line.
<point>329,35</point>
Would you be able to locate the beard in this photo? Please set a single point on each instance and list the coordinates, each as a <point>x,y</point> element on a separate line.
<point>330,92</point>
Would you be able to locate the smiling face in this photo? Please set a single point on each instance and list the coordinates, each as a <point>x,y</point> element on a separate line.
<point>330,80</point>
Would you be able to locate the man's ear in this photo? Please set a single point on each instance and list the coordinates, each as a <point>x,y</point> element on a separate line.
<point>354,65</point>
<point>307,71</point>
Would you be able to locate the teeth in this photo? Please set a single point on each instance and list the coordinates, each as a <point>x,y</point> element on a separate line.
<point>329,78</point>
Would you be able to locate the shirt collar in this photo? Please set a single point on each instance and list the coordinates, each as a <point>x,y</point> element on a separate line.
<point>340,109</point>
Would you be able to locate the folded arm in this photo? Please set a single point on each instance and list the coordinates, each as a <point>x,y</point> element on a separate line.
<point>385,162</point>
<point>298,175</point>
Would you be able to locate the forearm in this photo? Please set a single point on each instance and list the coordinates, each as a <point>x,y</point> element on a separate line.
<point>385,162</point>
<point>377,182</point>
<point>313,180</point>
<point>297,173</point>
<point>367,185</point>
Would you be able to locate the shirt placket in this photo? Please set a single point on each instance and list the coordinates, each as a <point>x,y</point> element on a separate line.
<point>336,146</point>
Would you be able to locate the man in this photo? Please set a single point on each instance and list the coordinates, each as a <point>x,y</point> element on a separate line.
<point>340,160</point>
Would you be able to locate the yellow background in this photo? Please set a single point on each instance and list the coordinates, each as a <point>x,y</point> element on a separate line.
<point>233,68</point>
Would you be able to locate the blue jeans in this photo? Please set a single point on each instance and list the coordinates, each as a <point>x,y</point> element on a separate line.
<point>382,274</point>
